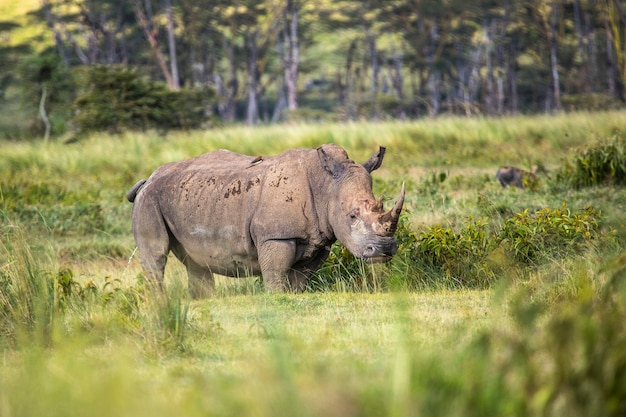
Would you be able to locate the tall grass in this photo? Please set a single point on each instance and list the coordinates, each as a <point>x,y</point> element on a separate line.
<point>442,354</point>
<point>74,193</point>
<point>80,332</point>
<point>27,296</point>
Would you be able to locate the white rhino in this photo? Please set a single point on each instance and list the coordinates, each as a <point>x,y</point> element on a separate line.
<point>277,216</point>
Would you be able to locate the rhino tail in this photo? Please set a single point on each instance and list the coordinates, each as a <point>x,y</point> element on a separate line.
<point>132,194</point>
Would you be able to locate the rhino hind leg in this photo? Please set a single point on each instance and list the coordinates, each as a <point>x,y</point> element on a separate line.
<point>153,241</point>
<point>201,283</point>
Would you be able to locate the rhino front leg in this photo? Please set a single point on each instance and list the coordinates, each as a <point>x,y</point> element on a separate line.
<point>301,272</point>
<point>275,259</point>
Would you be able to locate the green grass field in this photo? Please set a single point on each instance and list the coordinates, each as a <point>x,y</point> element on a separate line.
<point>523,313</point>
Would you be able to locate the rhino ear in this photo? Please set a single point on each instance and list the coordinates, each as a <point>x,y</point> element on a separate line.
<point>330,164</point>
<point>376,160</point>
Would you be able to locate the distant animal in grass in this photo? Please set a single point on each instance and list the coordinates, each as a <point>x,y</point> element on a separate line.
<point>516,177</point>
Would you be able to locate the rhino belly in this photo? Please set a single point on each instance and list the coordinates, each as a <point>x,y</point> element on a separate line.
<point>223,250</point>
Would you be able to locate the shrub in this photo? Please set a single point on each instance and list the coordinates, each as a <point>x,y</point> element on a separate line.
<point>341,271</point>
<point>117,98</point>
<point>460,255</point>
<point>46,72</point>
<point>534,237</point>
<point>601,163</point>
<point>590,102</point>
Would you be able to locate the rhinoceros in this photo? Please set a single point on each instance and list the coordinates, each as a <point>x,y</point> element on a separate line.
<point>232,214</point>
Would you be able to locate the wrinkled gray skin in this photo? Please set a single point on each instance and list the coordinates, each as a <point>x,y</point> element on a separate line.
<point>238,215</point>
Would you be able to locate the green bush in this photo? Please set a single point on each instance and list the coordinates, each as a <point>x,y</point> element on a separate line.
<point>117,98</point>
<point>601,163</point>
<point>46,72</point>
<point>464,257</point>
<point>590,102</point>
<point>460,255</point>
<point>535,237</point>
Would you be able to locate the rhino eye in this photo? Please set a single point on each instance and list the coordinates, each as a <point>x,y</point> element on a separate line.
<point>354,214</point>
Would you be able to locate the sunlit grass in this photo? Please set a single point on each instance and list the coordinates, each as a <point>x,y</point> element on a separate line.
<point>424,345</point>
<point>273,352</point>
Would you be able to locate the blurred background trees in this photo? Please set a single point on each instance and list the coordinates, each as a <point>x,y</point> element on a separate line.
<point>275,60</point>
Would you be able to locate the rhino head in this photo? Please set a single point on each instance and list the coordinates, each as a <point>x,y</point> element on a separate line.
<point>356,216</point>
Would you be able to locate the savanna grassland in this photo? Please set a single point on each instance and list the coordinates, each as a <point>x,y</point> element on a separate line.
<point>500,301</point>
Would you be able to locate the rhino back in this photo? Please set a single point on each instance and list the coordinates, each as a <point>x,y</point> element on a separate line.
<point>219,206</point>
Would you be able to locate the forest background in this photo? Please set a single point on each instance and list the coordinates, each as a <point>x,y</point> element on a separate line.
<point>66,64</point>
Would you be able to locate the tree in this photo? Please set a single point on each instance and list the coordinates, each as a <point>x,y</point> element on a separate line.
<point>615,25</point>
<point>150,30</point>
<point>171,42</point>
<point>291,51</point>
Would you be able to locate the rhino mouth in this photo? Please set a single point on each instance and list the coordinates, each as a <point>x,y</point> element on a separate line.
<point>380,259</point>
<point>380,253</point>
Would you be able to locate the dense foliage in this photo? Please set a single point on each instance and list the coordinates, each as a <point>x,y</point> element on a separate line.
<point>603,163</point>
<point>116,99</point>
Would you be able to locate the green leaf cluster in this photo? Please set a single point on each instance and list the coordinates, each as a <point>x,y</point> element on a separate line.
<point>532,237</point>
<point>469,256</point>
<point>460,255</point>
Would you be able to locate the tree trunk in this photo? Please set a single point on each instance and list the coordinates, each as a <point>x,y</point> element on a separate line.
<point>252,108</point>
<point>490,81</point>
<point>58,39</point>
<point>150,34</point>
<point>591,51</point>
<point>171,42</point>
<point>281,105</point>
<point>587,82</point>
<point>502,78</point>
<point>291,53</point>
<point>434,91</point>
<point>373,55</point>
<point>344,87</point>
<point>610,58</point>
<point>556,88</point>
<point>44,115</point>
<point>228,95</point>
<point>615,22</point>
<point>396,75</point>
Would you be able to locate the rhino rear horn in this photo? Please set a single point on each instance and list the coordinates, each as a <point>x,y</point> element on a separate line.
<point>376,160</point>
